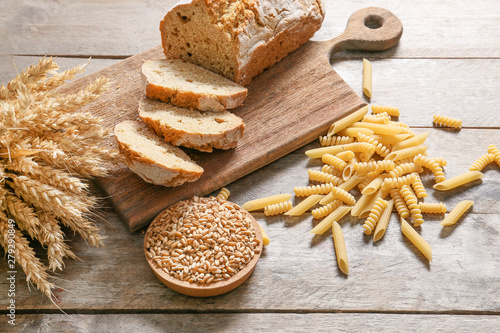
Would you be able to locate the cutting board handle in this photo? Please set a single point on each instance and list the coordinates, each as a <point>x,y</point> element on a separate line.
<point>368,29</point>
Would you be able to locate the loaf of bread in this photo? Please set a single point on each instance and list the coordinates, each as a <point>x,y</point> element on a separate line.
<point>156,161</point>
<point>202,130</point>
<point>239,38</point>
<point>187,85</point>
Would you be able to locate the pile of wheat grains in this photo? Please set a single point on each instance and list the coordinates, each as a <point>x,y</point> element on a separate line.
<point>202,240</point>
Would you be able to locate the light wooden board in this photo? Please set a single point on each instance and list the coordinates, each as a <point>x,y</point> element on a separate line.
<point>258,322</point>
<point>447,29</point>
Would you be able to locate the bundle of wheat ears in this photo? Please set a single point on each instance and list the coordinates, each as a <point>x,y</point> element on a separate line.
<point>46,149</point>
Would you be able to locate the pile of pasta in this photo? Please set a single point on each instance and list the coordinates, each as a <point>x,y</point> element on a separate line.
<point>383,159</point>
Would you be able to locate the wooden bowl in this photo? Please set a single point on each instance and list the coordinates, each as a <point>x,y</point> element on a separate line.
<point>211,289</point>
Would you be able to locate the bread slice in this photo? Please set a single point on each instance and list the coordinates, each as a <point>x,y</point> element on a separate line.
<point>152,159</point>
<point>191,128</point>
<point>186,85</point>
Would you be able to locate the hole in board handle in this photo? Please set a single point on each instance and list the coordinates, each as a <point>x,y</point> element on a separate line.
<point>374,21</point>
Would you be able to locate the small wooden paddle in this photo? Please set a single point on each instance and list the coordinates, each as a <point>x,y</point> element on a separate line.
<point>287,106</point>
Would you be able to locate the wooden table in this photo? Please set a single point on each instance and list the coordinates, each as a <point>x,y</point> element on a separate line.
<point>448,62</point>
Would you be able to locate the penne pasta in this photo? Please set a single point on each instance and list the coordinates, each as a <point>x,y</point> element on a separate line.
<point>345,155</point>
<point>407,152</point>
<point>265,239</point>
<point>379,128</point>
<point>365,210</point>
<point>347,121</point>
<point>457,212</point>
<point>383,222</point>
<point>263,202</point>
<point>390,139</point>
<point>456,181</point>
<point>304,205</point>
<point>374,185</point>
<point>350,183</point>
<point>416,239</point>
<point>340,249</point>
<point>327,222</point>
<point>411,142</point>
<point>319,152</point>
<point>355,131</point>
<point>367,78</point>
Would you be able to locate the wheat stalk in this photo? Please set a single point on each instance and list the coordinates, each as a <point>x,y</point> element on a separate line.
<point>46,147</point>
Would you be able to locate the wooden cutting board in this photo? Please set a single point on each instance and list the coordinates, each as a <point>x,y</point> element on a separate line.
<point>287,106</point>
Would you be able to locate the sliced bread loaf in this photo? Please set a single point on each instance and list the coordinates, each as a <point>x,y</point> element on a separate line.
<point>186,85</point>
<point>191,128</point>
<point>239,38</point>
<point>152,159</point>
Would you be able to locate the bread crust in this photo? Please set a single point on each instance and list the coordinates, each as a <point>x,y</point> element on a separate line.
<point>203,101</point>
<point>260,32</point>
<point>205,142</point>
<point>150,171</point>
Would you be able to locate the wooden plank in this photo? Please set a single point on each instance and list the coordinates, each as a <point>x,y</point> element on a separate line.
<point>122,28</point>
<point>298,270</point>
<point>257,322</point>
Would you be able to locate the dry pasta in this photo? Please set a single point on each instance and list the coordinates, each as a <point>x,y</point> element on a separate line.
<point>304,191</point>
<point>361,203</point>
<point>350,183</point>
<point>416,239</point>
<point>367,78</point>
<point>326,210</point>
<point>376,120</point>
<point>405,129</point>
<point>335,140</point>
<point>334,161</point>
<point>390,139</point>
<point>432,165</point>
<point>457,212</point>
<point>481,162</point>
<point>374,216</point>
<point>324,177</point>
<point>365,157</point>
<point>380,129</point>
<point>411,142</point>
<point>412,204</point>
<point>319,152</point>
<point>398,182</point>
<point>445,121</point>
<point>365,210</point>
<point>494,150</point>
<point>348,171</point>
<point>418,187</point>
<point>456,181</point>
<point>347,121</point>
<point>380,149</point>
<point>223,193</point>
<point>355,131</point>
<point>334,216</point>
<point>331,170</point>
<point>346,156</point>
<point>432,207</point>
<point>364,167</point>
<point>390,110</point>
<point>383,221</point>
<point>304,205</point>
<point>338,193</point>
<point>277,208</point>
<point>265,239</point>
<point>407,152</point>
<point>340,249</point>
<point>405,168</point>
<point>360,147</point>
<point>399,202</point>
<point>263,202</point>
<point>374,185</point>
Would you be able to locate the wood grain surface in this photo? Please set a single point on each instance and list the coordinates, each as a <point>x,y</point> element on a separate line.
<point>448,61</point>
